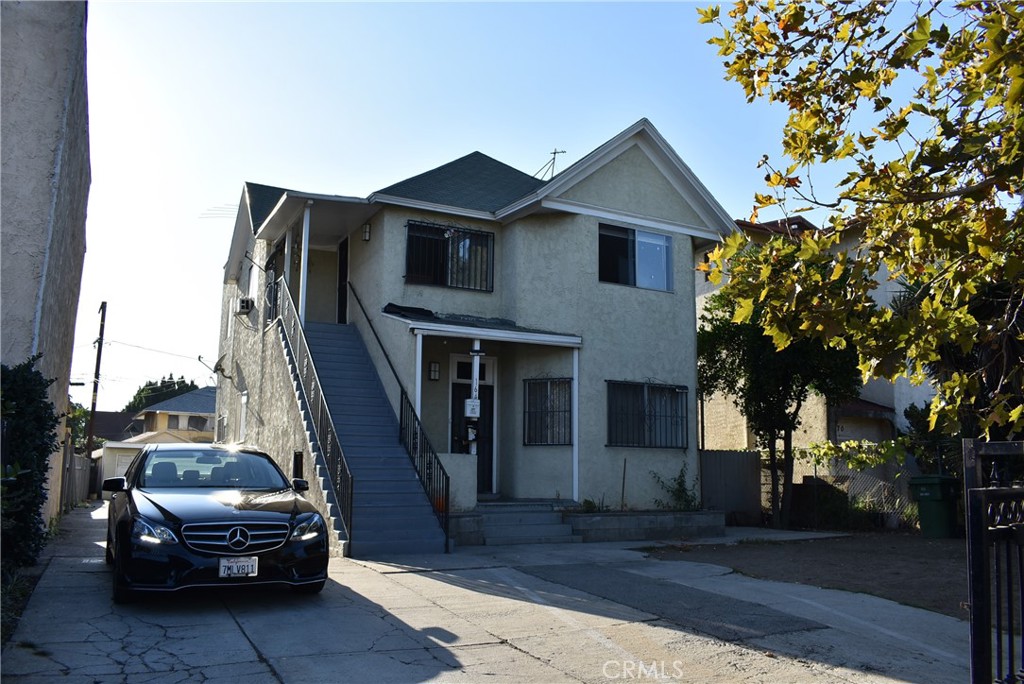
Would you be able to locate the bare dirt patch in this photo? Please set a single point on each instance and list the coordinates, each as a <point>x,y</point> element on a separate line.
<point>901,567</point>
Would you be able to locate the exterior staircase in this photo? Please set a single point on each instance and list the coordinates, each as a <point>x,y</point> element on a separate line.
<point>390,511</point>
<point>522,522</point>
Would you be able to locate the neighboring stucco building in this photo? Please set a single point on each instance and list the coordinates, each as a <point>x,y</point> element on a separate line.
<point>875,416</point>
<point>567,303</point>
<point>44,127</point>
<point>189,417</point>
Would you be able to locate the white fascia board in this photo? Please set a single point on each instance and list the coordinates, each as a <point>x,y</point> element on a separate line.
<point>432,207</point>
<point>297,200</point>
<point>516,336</point>
<point>572,207</point>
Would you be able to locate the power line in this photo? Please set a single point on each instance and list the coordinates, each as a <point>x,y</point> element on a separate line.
<point>150,349</point>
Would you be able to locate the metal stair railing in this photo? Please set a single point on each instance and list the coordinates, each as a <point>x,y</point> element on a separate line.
<point>323,425</point>
<point>433,477</point>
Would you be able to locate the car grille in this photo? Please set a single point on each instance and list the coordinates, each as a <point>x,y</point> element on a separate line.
<point>235,538</point>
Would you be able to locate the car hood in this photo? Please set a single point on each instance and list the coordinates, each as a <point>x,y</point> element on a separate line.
<point>194,505</point>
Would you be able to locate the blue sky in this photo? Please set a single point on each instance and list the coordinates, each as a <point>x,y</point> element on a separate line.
<point>188,101</point>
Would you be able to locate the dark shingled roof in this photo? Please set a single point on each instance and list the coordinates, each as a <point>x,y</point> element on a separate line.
<point>262,200</point>
<point>202,400</point>
<point>475,181</point>
<point>414,314</point>
<point>116,426</point>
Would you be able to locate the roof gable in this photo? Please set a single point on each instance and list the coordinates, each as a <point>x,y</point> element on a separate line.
<point>714,221</point>
<point>202,400</point>
<point>262,199</point>
<point>476,182</point>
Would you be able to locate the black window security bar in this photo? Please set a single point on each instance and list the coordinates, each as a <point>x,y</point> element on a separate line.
<point>994,515</point>
<point>647,415</point>
<point>547,411</point>
<point>449,256</point>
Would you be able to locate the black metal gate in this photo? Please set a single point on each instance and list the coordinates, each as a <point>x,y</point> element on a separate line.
<point>994,499</point>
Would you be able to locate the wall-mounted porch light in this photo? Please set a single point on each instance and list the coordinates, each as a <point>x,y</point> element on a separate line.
<point>434,370</point>
<point>366,232</point>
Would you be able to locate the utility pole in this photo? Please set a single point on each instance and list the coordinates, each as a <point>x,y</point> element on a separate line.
<point>96,380</point>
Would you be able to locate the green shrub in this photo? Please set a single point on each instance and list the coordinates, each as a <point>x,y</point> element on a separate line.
<point>682,496</point>
<point>29,436</point>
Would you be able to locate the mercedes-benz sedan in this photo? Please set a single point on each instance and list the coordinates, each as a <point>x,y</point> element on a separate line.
<point>207,515</point>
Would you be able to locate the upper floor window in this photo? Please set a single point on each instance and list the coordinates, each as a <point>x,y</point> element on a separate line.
<point>634,257</point>
<point>436,254</point>
<point>198,423</point>
<point>172,422</point>
<point>647,415</point>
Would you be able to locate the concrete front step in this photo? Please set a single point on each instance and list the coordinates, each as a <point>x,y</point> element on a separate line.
<point>526,518</point>
<point>524,523</point>
<point>509,541</point>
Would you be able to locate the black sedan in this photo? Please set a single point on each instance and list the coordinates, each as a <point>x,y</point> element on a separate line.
<point>206,515</point>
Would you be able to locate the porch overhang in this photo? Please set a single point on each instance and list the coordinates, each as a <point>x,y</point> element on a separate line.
<point>427,323</point>
<point>334,216</point>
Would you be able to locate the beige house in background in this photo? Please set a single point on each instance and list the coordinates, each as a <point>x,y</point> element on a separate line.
<point>187,417</point>
<point>875,416</point>
<point>44,125</point>
<point>567,302</point>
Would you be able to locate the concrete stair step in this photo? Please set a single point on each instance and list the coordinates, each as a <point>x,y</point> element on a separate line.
<point>525,518</point>
<point>509,541</point>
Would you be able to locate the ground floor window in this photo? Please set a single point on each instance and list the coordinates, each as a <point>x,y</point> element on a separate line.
<point>547,411</point>
<point>647,415</point>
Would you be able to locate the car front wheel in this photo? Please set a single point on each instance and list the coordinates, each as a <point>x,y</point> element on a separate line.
<point>120,591</point>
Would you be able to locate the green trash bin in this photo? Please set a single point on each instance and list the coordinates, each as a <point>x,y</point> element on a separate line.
<point>936,497</point>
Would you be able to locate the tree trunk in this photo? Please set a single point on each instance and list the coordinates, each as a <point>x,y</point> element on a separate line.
<point>773,465</point>
<point>787,476</point>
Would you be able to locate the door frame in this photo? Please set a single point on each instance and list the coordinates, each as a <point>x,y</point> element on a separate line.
<point>492,379</point>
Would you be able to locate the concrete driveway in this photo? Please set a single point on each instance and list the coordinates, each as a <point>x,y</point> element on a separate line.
<point>544,613</point>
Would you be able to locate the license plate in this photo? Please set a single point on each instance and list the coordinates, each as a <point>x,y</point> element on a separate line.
<point>239,567</point>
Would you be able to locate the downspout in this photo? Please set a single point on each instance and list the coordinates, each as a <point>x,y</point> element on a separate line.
<point>576,424</point>
<point>419,371</point>
<point>288,256</point>
<point>304,273</point>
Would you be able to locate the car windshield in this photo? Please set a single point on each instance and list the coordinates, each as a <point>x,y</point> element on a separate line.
<point>204,468</point>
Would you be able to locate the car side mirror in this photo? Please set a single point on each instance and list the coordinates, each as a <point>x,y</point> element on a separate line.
<point>115,484</point>
<point>300,485</point>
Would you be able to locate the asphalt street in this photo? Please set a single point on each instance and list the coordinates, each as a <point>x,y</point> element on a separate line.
<point>538,613</point>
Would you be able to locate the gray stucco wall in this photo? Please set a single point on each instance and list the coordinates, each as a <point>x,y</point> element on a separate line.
<point>44,126</point>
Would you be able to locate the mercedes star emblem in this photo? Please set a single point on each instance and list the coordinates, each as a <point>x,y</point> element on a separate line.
<point>238,538</point>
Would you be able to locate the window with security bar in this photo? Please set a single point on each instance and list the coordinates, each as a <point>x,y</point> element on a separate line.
<point>547,411</point>
<point>647,415</point>
<point>449,256</point>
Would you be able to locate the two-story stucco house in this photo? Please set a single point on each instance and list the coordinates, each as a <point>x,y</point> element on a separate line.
<point>538,335</point>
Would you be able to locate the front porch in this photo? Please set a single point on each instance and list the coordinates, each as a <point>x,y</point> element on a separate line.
<point>506,522</point>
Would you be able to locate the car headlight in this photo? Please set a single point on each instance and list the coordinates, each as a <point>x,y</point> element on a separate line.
<point>309,528</point>
<point>146,532</point>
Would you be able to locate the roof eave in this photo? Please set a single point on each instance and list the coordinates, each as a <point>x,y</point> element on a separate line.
<point>489,334</point>
<point>431,206</point>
